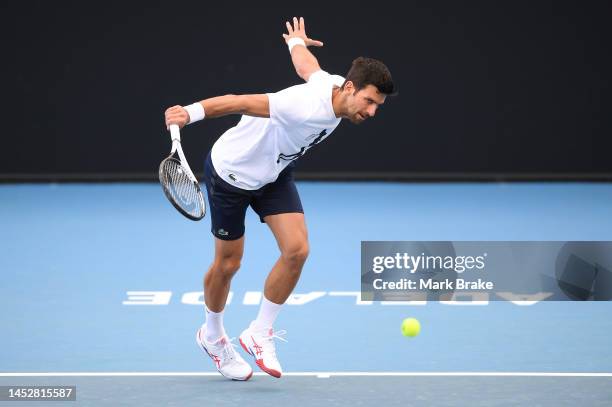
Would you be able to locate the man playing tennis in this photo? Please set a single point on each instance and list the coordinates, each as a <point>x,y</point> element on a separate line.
<point>251,165</point>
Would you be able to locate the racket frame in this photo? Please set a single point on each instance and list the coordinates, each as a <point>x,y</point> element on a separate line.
<point>176,148</point>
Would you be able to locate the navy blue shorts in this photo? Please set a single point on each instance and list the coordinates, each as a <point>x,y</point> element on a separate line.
<point>228,204</point>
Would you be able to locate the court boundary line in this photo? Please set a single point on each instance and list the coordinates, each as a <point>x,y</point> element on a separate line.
<point>314,374</point>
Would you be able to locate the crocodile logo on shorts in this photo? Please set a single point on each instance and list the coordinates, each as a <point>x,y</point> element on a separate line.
<point>222,232</point>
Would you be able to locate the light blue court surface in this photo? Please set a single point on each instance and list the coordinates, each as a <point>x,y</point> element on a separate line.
<point>74,258</point>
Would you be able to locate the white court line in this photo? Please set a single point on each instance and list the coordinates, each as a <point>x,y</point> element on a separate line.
<point>317,374</point>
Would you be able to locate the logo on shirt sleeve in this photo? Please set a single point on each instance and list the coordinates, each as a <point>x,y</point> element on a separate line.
<point>295,156</point>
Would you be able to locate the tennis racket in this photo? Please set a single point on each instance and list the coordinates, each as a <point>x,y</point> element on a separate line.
<point>178,182</point>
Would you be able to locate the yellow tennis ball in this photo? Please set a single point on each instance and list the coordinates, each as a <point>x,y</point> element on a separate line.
<point>411,327</point>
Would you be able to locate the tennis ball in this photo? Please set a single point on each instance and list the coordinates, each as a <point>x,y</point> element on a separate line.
<point>411,327</point>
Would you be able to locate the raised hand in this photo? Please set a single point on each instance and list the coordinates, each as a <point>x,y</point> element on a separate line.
<point>299,30</point>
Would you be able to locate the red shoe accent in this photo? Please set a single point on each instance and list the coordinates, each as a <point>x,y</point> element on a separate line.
<point>263,367</point>
<point>216,359</point>
<point>244,347</point>
<point>258,349</point>
<point>259,362</point>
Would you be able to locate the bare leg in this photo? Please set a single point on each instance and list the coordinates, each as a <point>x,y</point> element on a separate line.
<point>290,232</point>
<point>228,254</point>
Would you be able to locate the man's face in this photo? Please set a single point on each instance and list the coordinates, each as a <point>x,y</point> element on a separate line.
<point>363,103</point>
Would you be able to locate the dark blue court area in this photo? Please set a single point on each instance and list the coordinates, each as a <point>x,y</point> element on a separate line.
<point>101,288</point>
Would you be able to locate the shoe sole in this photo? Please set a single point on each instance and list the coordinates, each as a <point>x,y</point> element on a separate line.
<point>259,362</point>
<point>201,346</point>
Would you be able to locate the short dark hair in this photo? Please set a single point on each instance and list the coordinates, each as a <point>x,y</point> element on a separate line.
<point>369,71</point>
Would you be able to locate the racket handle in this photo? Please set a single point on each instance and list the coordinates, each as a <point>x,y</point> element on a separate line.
<point>175,132</point>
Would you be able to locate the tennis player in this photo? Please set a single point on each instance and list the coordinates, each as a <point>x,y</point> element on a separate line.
<point>251,165</point>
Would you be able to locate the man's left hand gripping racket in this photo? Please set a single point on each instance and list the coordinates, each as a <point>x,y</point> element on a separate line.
<point>178,182</point>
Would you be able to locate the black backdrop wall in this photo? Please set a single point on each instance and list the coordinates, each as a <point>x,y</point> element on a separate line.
<point>488,87</point>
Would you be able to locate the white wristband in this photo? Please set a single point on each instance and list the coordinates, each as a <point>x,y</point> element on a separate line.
<point>295,41</point>
<point>195,111</point>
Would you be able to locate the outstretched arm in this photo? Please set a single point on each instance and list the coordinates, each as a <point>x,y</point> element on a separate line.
<point>305,63</point>
<point>251,105</point>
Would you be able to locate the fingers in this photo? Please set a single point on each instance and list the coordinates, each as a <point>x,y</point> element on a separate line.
<point>298,25</point>
<point>176,115</point>
<point>175,109</point>
<point>298,29</point>
<point>313,43</point>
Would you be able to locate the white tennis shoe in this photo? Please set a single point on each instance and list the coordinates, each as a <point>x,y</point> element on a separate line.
<point>259,343</point>
<point>227,361</point>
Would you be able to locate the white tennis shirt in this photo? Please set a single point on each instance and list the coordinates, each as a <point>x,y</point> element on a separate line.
<point>255,151</point>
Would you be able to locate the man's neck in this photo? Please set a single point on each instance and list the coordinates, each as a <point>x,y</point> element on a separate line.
<point>338,102</point>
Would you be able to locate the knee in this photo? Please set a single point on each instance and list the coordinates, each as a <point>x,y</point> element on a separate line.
<point>296,254</point>
<point>226,266</point>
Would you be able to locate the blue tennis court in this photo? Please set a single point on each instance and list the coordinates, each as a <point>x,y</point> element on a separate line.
<point>96,295</point>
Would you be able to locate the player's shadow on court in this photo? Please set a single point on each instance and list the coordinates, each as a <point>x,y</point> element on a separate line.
<point>258,384</point>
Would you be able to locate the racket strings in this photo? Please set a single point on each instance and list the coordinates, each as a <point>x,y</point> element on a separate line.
<point>181,188</point>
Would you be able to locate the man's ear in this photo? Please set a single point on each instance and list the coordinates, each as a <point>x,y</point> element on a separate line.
<point>349,86</point>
